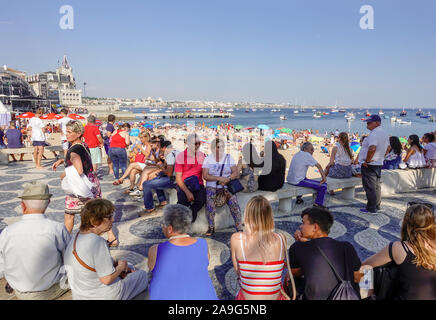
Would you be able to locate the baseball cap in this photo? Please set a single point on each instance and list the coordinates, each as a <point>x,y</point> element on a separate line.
<point>36,190</point>
<point>374,118</point>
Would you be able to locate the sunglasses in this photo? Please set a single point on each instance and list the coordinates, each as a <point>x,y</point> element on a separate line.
<point>428,205</point>
<point>197,143</point>
<point>110,216</point>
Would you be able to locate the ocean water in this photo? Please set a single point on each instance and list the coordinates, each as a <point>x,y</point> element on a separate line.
<point>327,123</point>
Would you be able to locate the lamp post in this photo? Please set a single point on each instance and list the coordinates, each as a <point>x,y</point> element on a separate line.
<point>84,89</point>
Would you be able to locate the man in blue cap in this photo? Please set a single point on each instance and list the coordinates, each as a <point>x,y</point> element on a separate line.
<point>373,151</point>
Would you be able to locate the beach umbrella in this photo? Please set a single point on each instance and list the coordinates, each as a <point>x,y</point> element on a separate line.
<point>51,116</point>
<point>213,127</point>
<point>286,130</point>
<point>76,116</point>
<point>285,137</point>
<point>248,128</point>
<point>403,140</point>
<point>277,131</point>
<point>148,126</point>
<point>134,132</point>
<point>167,125</point>
<point>239,127</point>
<point>26,115</point>
<point>355,146</point>
<point>263,126</point>
<point>316,139</point>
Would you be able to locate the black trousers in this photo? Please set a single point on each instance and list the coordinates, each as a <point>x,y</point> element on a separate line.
<point>371,184</point>
<point>196,205</point>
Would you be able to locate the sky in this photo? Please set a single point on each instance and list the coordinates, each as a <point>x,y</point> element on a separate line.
<point>305,52</point>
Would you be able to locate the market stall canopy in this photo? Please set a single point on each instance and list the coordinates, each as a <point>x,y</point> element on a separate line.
<point>26,115</point>
<point>51,116</point>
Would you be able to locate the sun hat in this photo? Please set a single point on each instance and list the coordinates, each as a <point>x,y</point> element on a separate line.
<point>36,190</point>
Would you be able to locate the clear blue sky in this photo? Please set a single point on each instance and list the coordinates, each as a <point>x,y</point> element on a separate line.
<point>233,50</point>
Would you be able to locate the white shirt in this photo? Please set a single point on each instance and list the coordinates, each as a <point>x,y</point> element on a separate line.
<point>85,284</point>
<point>431,150</point>
<point>299,165</point>
<point>341,157</point>
<point>31,253</point>
<point>63,124</point>
<point>170,159</point>
<point>215,168</point>
<point>36,124</point>
<point>380,140</point>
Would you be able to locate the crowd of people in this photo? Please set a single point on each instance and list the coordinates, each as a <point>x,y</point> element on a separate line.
<point>149,160</point>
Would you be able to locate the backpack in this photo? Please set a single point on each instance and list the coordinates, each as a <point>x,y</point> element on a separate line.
<point>344,290</point>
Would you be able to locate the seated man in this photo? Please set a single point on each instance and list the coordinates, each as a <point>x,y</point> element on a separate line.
<point>297,173</point>
<point>306,259</point>
<point>14,139</point>
<point>189,176</point>
<point>165,180</point>
<point>31,249</point>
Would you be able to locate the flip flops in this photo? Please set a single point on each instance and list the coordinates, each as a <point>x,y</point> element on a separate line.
<point>117,182</point>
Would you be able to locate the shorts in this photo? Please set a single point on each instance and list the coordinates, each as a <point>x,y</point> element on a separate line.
<point>141,165</point>
<point>38,143</point>
<point>95,155</point>
<point>64,145</point>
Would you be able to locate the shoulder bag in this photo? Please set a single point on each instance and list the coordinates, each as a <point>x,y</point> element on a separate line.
<point>385,279</point>
<point>221,194</point>
<point>344,289</point>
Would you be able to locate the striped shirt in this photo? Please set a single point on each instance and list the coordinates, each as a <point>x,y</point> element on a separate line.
<point>261,278</point>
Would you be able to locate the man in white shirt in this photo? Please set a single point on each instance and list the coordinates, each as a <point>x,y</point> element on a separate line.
<point>36,127</point>
<point>31,250</point>
<point>62,123</point>
<point>297,173</point>
<point>373,151</point>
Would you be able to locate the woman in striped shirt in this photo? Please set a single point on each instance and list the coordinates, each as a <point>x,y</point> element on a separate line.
<point>258,253</point>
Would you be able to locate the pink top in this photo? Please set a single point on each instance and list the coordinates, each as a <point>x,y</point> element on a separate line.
<point>189,166</point>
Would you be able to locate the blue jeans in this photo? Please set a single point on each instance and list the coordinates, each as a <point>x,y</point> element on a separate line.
<point>157,184</point>
<point>119,159</point>
<point>321,189</point>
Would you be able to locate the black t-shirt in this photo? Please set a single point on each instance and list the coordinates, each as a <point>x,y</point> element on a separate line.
<point>319,277</point>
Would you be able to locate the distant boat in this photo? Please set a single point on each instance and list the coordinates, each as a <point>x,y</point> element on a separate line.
<point>367,114</point>
<point>334,110</point>
<point>154,110</point>
<point>432,119</point>
<point>317,115</point>
<point>381,112</point>
<point>246,110</point>
<point>230,110</point>
<point>342,110</point>
<point>282,117</point>
<point>419,112</point>
<point>325,113</point>
<point>273,110</point>
<point>425,116</point>
<point>313,110</point>
<point>253,109</point>
<point>296,111</point>
<point>404,122</point>
<point>350,116</point>
<point>403,113</point>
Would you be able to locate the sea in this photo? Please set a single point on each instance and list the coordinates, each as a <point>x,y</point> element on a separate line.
<point>326,124</point>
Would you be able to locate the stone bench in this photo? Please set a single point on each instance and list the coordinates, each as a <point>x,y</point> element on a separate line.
<point>284,196</point>
<point>4,153</point>
<point>410,180</point>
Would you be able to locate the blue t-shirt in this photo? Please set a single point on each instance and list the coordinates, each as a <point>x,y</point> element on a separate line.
<point>14,137</point>
<point>181,273</point>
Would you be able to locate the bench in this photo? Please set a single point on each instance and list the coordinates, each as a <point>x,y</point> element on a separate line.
<point>410,180</point>
<point>284,196</point>
<point>4,153</point>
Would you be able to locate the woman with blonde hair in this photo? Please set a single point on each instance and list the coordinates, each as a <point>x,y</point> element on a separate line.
<point>341,159</point>
<point>258,253</point>
<point>414,255</point>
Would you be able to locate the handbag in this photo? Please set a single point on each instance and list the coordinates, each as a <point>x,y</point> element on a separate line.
<point>235,186</point>
<point>344,290</point>
<point>221,197</point>
<point>192,183</point>
<point>75,184</point>
<point>291,277</point>
<point>385,279</point>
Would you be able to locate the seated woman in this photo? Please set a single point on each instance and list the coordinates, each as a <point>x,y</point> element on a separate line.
<point>272,176</point>
<point>249,167</point>
<point>429,149</point>
<point>415,155</point>
<point>357,163</point>
<point>92,273</point>
<point>142,151</point>
<point>219,169</point>
<point>393,154</point>
<point>179,266</point>
<point>414,255</point>
<point>341,159</point>
<point>258,253</point>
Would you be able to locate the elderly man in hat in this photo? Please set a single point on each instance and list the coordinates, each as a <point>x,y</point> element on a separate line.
<point>373,152</point>
<point>31,249</point>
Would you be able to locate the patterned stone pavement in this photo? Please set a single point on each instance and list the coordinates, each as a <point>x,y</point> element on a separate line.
<point>367,233</point>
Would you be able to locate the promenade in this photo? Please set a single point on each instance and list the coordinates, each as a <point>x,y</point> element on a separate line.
<point>368,234</point>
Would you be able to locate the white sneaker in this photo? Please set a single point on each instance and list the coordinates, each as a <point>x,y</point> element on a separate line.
<point>135,193</point>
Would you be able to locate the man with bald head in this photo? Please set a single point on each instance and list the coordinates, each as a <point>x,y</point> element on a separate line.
<point>31,250</point>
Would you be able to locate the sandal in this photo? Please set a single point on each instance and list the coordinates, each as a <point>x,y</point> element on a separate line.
<point>113,243</point>
<point>162,204</point>
<point>117,182</point>
<point>210,231</point>
<point>146,212</point>
<point>127,191</point>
